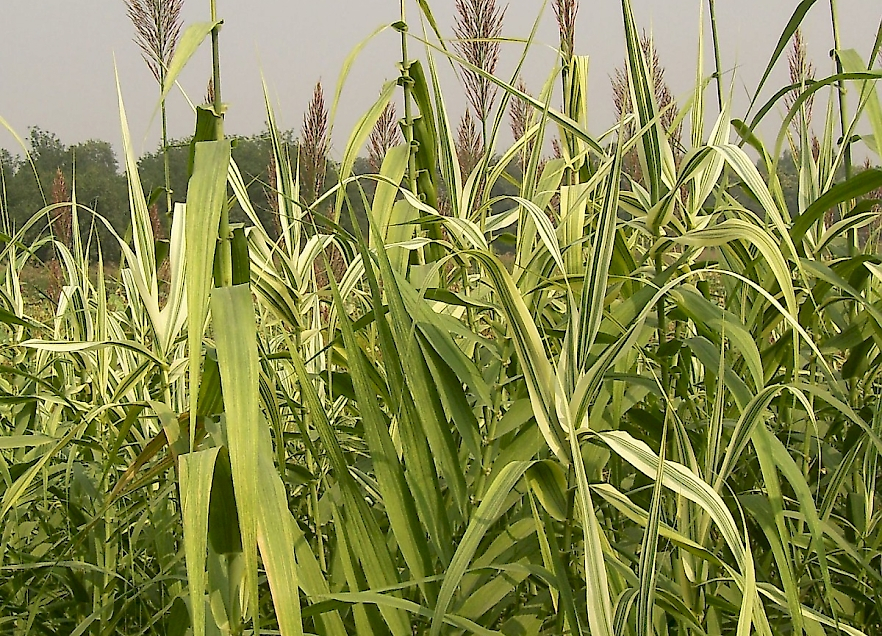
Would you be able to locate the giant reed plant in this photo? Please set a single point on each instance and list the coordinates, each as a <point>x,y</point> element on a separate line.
<point>157,31</point>
<point>664,419</point>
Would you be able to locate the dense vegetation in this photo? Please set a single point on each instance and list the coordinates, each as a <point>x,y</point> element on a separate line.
<point>318,402</point>
<point>31,181</point>
<point>48,170</point>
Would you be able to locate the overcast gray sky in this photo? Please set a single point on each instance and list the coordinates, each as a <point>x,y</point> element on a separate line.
<point>57,57</point>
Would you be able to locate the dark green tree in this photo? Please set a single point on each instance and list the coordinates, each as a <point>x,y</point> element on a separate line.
<point>90,168</point>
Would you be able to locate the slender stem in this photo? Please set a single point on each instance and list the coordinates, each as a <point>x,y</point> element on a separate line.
<point>165,159</point>
<point>717,63</point>
<point>843,111</point>
<point>662,324</point>
<point>566,57</point>
<point>4,210</point>
<point>225,255</point>
<point>491,449</point>
<point>430,253</point>
<point>215,66</point>
<point>877,46</point>
<point>407,87</point>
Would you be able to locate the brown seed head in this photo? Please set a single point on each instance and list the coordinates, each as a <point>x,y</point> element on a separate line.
<point>874,194</point>
<point>478,25</point>
<point>62,221</point>
<point>271,192</point>
<point>802,71</point>
<point>384,136</point>
<point>519,120</point>
<point>156,222</point>
<point>565,11</point>
<point>315,144</point>
<point>209,91</point>
<point>157,31</point>
<point>519,113</point>
<point>335,265</point>
<point>468,143</point>
<point>664,98</point>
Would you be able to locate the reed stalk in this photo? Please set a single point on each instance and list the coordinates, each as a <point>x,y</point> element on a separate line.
<point>158,28</point>
<point>718,65</point>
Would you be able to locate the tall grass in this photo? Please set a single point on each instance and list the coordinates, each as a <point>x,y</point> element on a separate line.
<point>663,419</point>
<point>157,31</point>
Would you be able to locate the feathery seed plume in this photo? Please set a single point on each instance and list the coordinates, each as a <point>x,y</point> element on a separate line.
<point>62,226</point>
<point>209,91</point>
<point>315,144</point>
<point>519,120</point>
<point>62,217</point>
<point>468,143</point>
<point>384,136</point>
<point>565,11</point>
<point>156,222</point>
<point>478,25</point>
<point>157,31</point>
<point>802,71</point>
<point>664,98</point>
<point>271,192</point>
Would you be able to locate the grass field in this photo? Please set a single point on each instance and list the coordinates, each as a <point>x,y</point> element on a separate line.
<point>660,415</point>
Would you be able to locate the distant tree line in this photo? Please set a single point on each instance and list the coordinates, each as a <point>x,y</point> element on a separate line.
<point>92,169</point>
